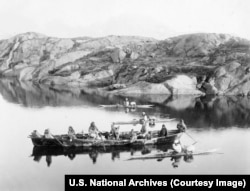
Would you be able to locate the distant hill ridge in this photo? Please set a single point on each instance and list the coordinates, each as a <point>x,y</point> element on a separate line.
<point>132,64</point>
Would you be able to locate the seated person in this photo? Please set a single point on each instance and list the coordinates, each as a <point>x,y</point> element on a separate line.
<point>71,133</point>
<point>152,121</point>
<point>144,130</point>
<point>133,104</point>
<point>181,126</point>
<point>115,131</point>
<point>93,131</point>
<point>144,118</point>
<point>148,135</point>
<point>36,134</point>
<point>163,132</point>
<point>177,147</point>
<point>132,135</point>
<point>188,149</point>
<point>126,102</point>
<point>47,134</point>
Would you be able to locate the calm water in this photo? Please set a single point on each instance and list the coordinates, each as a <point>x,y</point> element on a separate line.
<point>215,123</point>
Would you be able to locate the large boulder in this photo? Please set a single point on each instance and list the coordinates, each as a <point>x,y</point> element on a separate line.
<point>144,88</point>
<point>182,84</point>
<point>117,55</point>
<point>232,78</point>
<point>70,57</point>
<point>26,74</point>
<point>103,77</point>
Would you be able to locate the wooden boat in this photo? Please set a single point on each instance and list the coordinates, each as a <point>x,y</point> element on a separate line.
<point>129,107</point>
<point>83,140</point>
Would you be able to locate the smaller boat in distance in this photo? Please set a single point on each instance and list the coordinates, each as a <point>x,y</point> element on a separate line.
<point>84,140</point>
<point>129,106</point>
<point>140,121</point>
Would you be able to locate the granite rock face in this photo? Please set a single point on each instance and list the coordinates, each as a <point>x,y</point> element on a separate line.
<point>143,65</point>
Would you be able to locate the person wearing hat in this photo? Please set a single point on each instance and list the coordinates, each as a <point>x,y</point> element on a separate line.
<point>181,126</point>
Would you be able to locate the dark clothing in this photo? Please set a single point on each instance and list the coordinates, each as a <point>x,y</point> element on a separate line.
<point>163,132</point>
<point>181,126</point>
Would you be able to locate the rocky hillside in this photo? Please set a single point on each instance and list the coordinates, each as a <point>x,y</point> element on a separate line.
<point>187,64</point>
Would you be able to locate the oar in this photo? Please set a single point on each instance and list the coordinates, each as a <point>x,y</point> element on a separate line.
<point>191,138</point>
<point>59,142</point>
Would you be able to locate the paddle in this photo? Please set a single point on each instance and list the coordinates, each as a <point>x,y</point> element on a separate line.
<point>191,138</point>
<point>59,141</point>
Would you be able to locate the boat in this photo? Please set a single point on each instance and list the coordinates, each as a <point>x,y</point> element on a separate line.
<point>83,140</point>
<point>140,121</point>
<point>129,107</point>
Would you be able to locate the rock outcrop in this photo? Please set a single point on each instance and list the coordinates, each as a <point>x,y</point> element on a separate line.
<point>143,65</point>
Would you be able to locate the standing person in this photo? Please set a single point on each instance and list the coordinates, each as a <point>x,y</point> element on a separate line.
<point>144,129</point>
<point>181,126</point>
<point>93,131</point>
<point>126,102</point>
<point>144,117</point>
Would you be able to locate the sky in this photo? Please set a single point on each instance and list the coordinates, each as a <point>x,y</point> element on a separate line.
<point>159,19</point>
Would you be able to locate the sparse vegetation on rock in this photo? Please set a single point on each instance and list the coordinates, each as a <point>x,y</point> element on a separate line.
<point>132,64</point>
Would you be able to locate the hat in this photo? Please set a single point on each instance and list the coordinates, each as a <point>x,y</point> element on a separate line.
<point>143,113</point>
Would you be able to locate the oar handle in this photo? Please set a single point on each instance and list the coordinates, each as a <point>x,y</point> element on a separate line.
<point>191,137</point>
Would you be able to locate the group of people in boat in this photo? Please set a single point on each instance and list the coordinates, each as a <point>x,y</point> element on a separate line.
<point>145,121</point>
<point>93,131</point>
<point>131,104</point>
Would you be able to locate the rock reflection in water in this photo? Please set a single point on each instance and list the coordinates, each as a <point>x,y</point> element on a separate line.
<point>29,94</point>
<point>197,112</point>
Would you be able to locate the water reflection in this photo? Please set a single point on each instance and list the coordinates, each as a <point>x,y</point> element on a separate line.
<point>198,112</point>
<point>94,153</point>
<point>29,94</point>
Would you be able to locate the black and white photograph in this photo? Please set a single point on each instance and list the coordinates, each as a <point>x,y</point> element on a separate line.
<point>122,87</point>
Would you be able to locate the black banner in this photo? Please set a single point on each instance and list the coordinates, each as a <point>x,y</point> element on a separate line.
<point>159,182</point>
